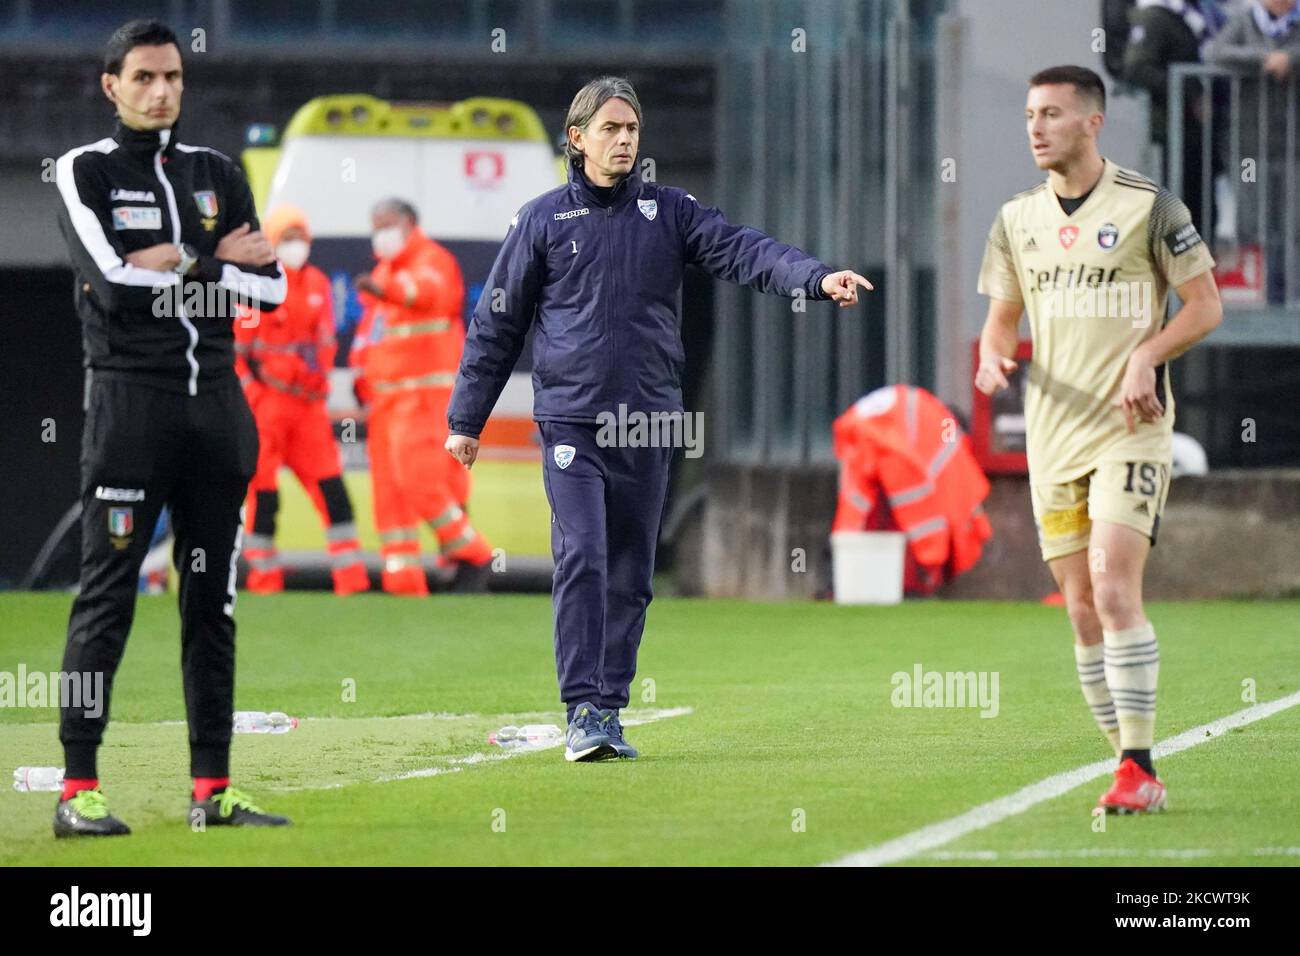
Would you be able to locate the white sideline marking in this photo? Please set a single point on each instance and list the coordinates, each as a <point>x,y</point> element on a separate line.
<point>648,716</point>
<point>457,764</point>
<point>1104,852</point>
<point>429,715</point>
<point>995,811</point>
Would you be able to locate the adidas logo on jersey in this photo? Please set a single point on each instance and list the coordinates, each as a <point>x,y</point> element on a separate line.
<point>1142,509</point>
<point>1030,246</point>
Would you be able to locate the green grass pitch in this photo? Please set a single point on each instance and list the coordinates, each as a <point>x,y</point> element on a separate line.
<point>507,504</point>
<point>785,747</point>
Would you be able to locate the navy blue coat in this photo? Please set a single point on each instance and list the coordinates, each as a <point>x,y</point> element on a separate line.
<point>603,282</point>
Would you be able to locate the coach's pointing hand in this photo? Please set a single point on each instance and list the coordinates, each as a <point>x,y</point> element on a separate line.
<point>463,448</point>
<point>843,287</point>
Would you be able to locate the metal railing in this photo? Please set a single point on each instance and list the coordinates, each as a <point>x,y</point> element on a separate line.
<point>823,147</point>
<point>1248,187</point>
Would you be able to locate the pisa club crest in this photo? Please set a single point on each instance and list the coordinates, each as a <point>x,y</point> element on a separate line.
<point>1068,234</point>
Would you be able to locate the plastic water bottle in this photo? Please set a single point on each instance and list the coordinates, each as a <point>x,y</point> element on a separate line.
<point>259,722</point>
<point>528,737</point>
<point>38,779</point>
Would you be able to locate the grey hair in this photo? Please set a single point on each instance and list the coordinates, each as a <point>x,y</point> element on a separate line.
<point>399,206</point>
<point>589,101</point>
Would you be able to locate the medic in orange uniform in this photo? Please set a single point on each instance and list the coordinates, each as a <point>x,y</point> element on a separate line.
<point>283,360</point>
<point>407,350</point>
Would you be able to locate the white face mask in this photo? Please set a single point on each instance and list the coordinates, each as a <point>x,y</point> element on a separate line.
<point>387,242</point>
<point>293,252</point>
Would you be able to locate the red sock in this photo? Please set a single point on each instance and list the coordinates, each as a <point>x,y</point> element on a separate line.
<point>204,787</point>
<point>72,786</point>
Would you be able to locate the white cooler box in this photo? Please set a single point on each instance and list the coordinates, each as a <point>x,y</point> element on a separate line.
<point>868,566</point>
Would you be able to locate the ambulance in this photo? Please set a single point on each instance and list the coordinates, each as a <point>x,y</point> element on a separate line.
<point>466,166</point>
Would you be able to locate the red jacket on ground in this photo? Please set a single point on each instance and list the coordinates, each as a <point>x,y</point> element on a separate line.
<point>902,442</point>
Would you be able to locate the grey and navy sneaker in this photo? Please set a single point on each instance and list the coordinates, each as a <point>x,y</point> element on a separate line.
<point>232,808</point>
<point>86,814</point>
<point>587,737</point>
<point>614,727</point>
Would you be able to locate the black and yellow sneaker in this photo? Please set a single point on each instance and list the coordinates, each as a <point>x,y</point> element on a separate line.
<point>86,814</point>
<point>232,808</point>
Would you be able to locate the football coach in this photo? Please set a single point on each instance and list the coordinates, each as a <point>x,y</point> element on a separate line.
<point>165,243</point>
<point>597,266</point>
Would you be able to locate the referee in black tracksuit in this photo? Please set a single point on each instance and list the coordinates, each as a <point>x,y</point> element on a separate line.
<point>165,242</point>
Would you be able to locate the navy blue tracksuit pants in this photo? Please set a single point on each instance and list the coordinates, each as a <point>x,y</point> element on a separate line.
<point>606,507</point>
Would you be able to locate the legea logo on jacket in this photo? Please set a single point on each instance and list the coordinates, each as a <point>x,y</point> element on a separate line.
<point>564,455</point>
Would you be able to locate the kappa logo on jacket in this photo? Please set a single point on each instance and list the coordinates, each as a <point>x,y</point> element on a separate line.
<point>564,455</point>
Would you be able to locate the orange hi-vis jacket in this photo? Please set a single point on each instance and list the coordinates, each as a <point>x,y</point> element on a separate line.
<point>413,336</point>
<point>902,441</point>
<point>291,349</point>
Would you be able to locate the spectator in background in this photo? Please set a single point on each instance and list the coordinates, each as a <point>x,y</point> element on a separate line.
<point>1166,32</point>
<point>1262,41</point>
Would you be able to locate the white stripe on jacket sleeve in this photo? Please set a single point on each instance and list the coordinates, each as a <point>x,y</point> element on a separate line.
<point>91,231</point>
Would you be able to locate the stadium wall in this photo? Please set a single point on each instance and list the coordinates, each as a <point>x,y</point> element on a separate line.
<point>1227,534</point>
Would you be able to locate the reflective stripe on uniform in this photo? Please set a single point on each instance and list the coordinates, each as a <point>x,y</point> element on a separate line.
<point>280,348</point>
<point>941,458</point>
<point>908,495</point>
<point>400,562</point>
<point>466,537</point>
<point>258,542</point>
<point>447,517</point>
<point>297,391</point>
<point>346,531</point>
<point>435,380</point>
<point>915,493</point>
<point>345,559</point>
<point>910,408</point>
<point>408,329</point>
<point>399,534</point>
<point>927,528</point>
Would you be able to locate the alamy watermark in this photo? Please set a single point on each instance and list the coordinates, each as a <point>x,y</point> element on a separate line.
<point>209,300</point>
<point>1132,301</point>
<point>922,688</point>
<point>636,429</point>
<point>80,690</point>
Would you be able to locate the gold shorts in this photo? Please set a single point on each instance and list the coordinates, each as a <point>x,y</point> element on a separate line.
<point>1129,493</point>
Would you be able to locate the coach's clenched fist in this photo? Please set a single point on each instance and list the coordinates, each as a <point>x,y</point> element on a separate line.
<point>463,448</point>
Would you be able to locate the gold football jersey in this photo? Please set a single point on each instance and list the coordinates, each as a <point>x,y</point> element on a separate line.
<point>1095,285</point>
